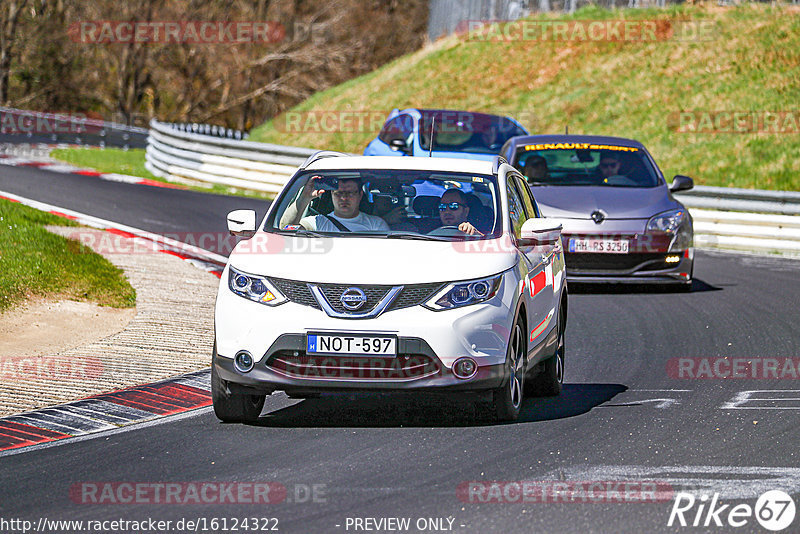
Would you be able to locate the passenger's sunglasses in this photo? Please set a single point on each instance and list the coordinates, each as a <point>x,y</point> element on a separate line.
<point>452,206</point>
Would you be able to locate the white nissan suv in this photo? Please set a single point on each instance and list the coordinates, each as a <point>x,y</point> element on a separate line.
<point>383,273</point>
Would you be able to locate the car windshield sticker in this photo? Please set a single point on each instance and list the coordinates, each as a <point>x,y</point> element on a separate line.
<point>573,146</point>
<point>477,179</point>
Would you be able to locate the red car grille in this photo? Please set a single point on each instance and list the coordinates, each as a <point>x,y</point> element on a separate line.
<point>616,262</point>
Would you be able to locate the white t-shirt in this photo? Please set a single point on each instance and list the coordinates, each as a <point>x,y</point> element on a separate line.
<point>360,223</point>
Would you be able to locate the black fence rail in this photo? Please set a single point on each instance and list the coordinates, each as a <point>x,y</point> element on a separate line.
<point>208,129</point>
<point>18,126</point>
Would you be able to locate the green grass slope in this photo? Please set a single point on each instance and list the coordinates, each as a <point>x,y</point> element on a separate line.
<point>37,263</point>
<point>749,62</point>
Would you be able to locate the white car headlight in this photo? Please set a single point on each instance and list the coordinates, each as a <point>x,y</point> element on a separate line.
<point>460,294</point>
<point>667,222</point>
<point>255,288</point>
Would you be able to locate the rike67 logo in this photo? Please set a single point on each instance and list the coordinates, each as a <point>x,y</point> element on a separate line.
<point>774,511</point>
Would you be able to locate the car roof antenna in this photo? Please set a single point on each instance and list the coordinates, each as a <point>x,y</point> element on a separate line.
<point>566,129</point>
<point>433,123</point>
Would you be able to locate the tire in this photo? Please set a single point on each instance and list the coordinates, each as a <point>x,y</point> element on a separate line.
<point>507,399</point>
<point>684,287</point>
<point>549,381</point>
<point>229,407</point>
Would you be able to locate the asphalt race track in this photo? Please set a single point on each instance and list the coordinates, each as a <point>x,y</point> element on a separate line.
<point>625,415</point>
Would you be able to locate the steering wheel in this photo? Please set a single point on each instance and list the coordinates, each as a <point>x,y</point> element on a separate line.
<point>446,231</point>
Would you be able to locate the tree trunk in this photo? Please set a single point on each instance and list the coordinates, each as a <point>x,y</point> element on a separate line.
<point>9,20</point>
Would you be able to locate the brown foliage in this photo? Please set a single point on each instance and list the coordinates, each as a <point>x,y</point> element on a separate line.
<point>237,85</point>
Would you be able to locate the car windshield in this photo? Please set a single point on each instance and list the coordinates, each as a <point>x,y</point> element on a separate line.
<point>402,204</point>
<point>585,164</point>
<point>463,131</point>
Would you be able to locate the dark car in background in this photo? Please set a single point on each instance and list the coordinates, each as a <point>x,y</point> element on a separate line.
<point>456,134</point>
<point>621,222</point>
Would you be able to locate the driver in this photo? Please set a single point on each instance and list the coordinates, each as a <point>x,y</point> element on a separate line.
<point>346,214</point>
<point>453,211</point>
<point>535,169</point>
<point>609,168</point>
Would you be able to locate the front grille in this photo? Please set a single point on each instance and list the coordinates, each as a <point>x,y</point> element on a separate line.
<point>615,262</point>
<point>414,295</point>
<point>411,295</point>
<point>296,292</point>
<point>404,367</point>
<point>332,293</point>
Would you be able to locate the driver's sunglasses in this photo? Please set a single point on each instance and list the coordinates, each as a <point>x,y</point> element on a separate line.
<point>345,194</point>
<point>452,206</point>
<point>609,164</point>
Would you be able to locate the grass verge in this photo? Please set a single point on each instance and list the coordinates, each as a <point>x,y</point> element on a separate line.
<point>35,262</point>
<point>131,162</point>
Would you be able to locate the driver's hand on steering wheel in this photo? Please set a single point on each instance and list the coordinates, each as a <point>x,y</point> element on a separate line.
<point>468,229</point>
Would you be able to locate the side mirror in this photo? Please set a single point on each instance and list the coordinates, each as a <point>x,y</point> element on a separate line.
<point>242,223</point>
<point>536,232</point>
<point>398,145</point>
<point>681,183</point>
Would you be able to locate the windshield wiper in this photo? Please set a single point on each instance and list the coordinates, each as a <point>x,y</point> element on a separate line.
<point>413,235</point>
<point>311,233</point>
<point>308,233</point>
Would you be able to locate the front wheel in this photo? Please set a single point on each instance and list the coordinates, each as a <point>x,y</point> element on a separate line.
<point>229,407</point>
<point>507,400</point>
<point>549,381</point>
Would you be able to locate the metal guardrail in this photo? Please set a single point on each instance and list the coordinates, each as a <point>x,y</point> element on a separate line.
<point>755,232</point>
<point>724,217</point>
<point>744,219</point>
<point>34,127</point>
<point>735,199</point>
<point>181,155</point>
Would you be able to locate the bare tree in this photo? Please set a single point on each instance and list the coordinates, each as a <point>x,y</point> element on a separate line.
<point>232,84</point>
<point>9,18</point>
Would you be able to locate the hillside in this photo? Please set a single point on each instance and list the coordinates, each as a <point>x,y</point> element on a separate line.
<point>749,62</point>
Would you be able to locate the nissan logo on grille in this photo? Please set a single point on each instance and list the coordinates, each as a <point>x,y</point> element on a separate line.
<point>353,298</point>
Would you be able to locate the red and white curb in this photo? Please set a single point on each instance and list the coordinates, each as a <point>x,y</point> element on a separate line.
<point>107,411</point>
<point>66,168</point>
<point>204,259</point>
